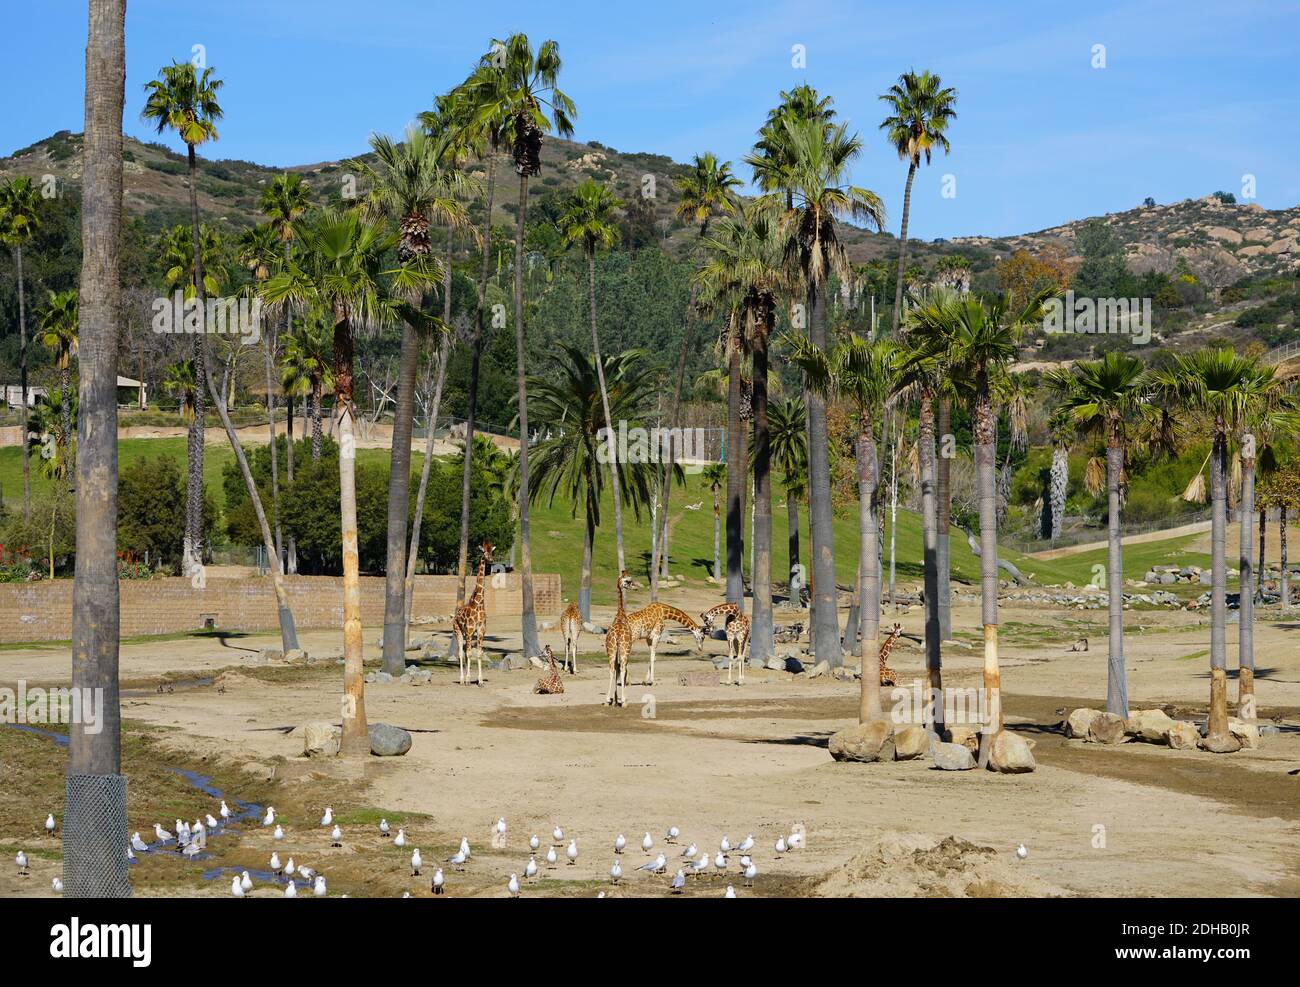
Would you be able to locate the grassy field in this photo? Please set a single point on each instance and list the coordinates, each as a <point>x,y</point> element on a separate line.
<point>557,534</point>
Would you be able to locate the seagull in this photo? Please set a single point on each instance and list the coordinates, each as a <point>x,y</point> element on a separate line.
<point>270,816</point>
<point>534,842</point>
<point>796,841</point>
<point>437,881</point>
<point>383,828</point>
<point>751,872</point>
<point>464,847</point>
<point>275,864</point>
<point>600,894</point>
<point>530,869</point>
<point>306,873</point>
<point>137,843</point>
<point>725,845</point>
<point>558,835</point>
<point>780,845</point>
<point>673,833</point>
<point>513,886</point>
<point>1021,852</point>
<point>731,892</point>
<point>289,868</point>
<point>130,854</point>
<point>200,835</point>
<point>691,851</point>
<point>192,850</point>
<point>457,860</point>
<point>572,852</point>
<point>279,832</point>
<point>21,861</point>
<point>550,856</point>
<point>162,834</point>
<point>57,885</point>
<point>291,890</point>
<point>656,866</point>
<point>720,862</point>
<point>501,826</point>
<point>406,894</point>
<point>615,872</point>
<point>49,824</point>
<point>647,843</point>
<point>746,844</point>
<point>236,888</point>
<point>225,811</point>
<point>400,840</point>
<point>701,865</point>
<point>212,823</point>
<point>319,889</point>
<point>745,861</point>
<point>619,843</point>
<point>336,835</point>
<point>245,882</point>
<point>679,882</point>
<point>328,818</point>
<point>416,863</point>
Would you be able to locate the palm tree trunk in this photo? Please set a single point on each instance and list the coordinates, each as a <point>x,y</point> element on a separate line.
<point>717,537</point>
<point>736,476</point>
<point>902,246</point>
<point>95,811</point>
<point>1116,675</point>
<point>604,400</point>
<point>584,587</point>
<point>1246,613</point>
<point>869,564</point>
<point>792,534</point>
<point>399,504</point>
<point>270,422</point>
<point>22,381</point>
<point>1286,575</point>
<point>761,643</point>
<point>356,735</point>
<point>943,516</point>
<point>65,406</point>
<point>315,420</point>
<point>1259,573</point>
<point>528,616</point>
<point>893,519</point>
<point>986,473</point>
<point>825,618</point>
<point>1217,734</point>
<point>933,714</point>
<point>193,541</point>
<point>1059,483</point>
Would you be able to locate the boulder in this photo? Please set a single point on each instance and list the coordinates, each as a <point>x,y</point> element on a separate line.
<point>1077,723</point>
<point>964,736</point>
<point>1106,728</point>
<point>1010,754</point>
<point>380,678</point>
<point>775,663</point>
<point>1247,734</point>
<point>1183,736</point>
<point>388,741</point>
<point>295,656</point>
<point>823,667</point>
<point>1227,744</point>
<point>1150,725</point>
<point>951,757</point>
<point>910,743</point>
<point>271,654</point>
<point>321,739</point>
<point>864,742</point>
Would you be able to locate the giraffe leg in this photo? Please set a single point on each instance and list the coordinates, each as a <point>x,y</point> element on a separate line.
<point>460,655</point>
<point>652,640</point>
<point>609,695</point>
<point>480,656</point>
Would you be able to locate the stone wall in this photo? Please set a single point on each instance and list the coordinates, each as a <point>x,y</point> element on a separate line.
<point>42,611</point>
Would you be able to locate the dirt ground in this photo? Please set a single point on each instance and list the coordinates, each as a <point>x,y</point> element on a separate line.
<point>717,760</point>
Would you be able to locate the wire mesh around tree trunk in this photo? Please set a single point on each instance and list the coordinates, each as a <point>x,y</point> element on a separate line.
<point>95,837</point>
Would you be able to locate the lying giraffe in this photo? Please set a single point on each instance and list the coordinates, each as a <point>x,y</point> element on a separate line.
<point>887,675</point>
<point>470,620</point>
<point>549,684</point>
<point>648,623</point>
<point>571,626</point>
<point>618,647</point>
<point>737,642</point>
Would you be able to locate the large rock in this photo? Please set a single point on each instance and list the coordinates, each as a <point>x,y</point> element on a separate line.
<point>774,662</point>
<point>823,667</point>
<point>1010,754</point>
<point>864,742</point>
<point>321,739</point>
<point>1247,734</point>
<point>1183,736</point>
<point>952,757</point>
<point>910,743</point>
<point>1151,725</point>
<point>1227,744</point>
<point>271,654</point>
<point>1077,723</point>
<point>964,736</point>
<point>295,656</point>
<point>388,741</point>
<point>1107,728</point>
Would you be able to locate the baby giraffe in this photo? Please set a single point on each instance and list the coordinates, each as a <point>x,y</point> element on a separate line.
<point>737,642</point>
<point>618,647</point>
<point>470,620</point>
<point>571,626</point>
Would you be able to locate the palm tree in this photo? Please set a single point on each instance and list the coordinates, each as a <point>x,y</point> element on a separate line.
<point>819,156</point>
<point>51,438</point>
<point>1226,392</point>
<point>920,111</point>
<point>178,378</point>
<point>569,404</point>
<point>185,101</point>
<point>19,218</point>
<point>1099,397</point>
<point>789,444</point>
<point>95,818</point>
<point>411,188</point>
<point>523,89</point>
<point>309,360</point>
<point>339,270</point>
<point>59,333</point>
<point>715,475</point>
<point>707,190</point>
<point>588,220</point>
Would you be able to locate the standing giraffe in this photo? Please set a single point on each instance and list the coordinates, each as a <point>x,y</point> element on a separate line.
<point>470,619</point>
<point>723,612</point>
<point>887,675</point>
<point>648,622</point>
<point>571,625</point>
<point>618,647</point>
<point>737,642</point>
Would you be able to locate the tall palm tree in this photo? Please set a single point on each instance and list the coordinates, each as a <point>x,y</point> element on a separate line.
<point>339,269</point>
<point>715,475</point>
<point>1225,392</point>
<point>1099,397</point>
<point>819,157</point>
<point>19,218</point>
<point>410,187</point>
<point>707,190</point>
<point>178,378</point>
<point>526,100</point>
<point>920,110</point>
<point>185,101</point>
<point>588,221</point>
<point>789,444</point>
<point>570,403</point>
<point>58,329</point>
<point>95,819</point>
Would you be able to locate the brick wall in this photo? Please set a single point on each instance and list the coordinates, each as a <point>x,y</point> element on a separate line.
<point>42,611</point>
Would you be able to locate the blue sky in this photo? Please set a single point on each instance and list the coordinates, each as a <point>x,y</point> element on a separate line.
<point>1192,97</point>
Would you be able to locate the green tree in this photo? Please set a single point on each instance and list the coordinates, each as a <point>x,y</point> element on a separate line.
<point>19,218</point>
<point>715,475</point>
<point>789,442</point>
<point>58,328</point>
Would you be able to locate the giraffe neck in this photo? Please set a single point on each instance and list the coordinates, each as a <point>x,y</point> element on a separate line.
<point>478,583</point>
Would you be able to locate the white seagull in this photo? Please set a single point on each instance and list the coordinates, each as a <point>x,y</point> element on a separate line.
<point>269,820</point>
<point>796,841</point>
<point>289,868</point>
<point>137,843</point>
<point>130,854</point>
<point>530,869</point>
<point>751,872</point>
<point>534,842</point>
<point>720,862</point>
<point>725,845</point>
<point>383,827</point>
<point>501,826</point>
<point>200,835</point>
<point>336,836</point>
<point>212,823</point>
<point>615,872</point>
<point>550,857</point>
<point>416,863</point>
<point>558,835</point>
<point>306,873</point>
<point>464,847</point>
<point>572,852</point>
<point>746,844</point>
<point>513,886</point>
<point>279,832</point>
<point>619,843</point>
<point>291,890</point>
<point>691,851</point>
<point>731,892</point>
<point>780,845</point>
<point>679,882</point>
<point>49,824</point>
<point>457,860</point>
<point>21,861</point>
<point>160,833</point>
<point>236,888</point>
<point>701,865</point>
<point>1022,852</point>
<point>275,864</point>
<point>225,810</point>
<point>319,889</point>
<point>437,881</point>
<point>656,866</point>
<point>246,882</point>
<point>647,843</point>
<point>328,818</point>
<point>400,840</point>
<point>57,885</point>
<point>673,833</point>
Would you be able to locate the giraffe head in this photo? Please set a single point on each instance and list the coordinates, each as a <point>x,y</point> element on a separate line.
<point>548,654</point>
<point>624,580</point>
<point>698,634</point>
<point>897,629</point>
<point>487,548</point>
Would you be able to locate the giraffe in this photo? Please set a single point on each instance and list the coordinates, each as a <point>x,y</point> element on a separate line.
<point>648,622</point>
<point>723,611</point>
<point>737,642</point>
<point>618,646</point>
<point>470,619</point>
<point>549,684</point>
<point>887,675</point>
<point>571,625</point>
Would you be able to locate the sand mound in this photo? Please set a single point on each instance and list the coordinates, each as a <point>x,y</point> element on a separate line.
<point>902,865</point>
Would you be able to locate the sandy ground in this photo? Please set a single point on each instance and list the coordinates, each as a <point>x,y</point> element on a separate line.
<point>721,760</point>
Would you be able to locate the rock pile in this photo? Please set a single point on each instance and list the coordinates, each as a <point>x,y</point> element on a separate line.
<point>1155,726</point>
